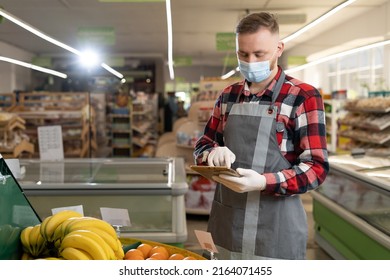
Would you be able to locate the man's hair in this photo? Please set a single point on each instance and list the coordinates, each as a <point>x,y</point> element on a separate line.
<point>253,22</point>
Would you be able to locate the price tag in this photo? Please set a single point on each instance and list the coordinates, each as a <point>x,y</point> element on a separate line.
<point>116,216</point>
<point>206,241</point>
<point>77,208</point>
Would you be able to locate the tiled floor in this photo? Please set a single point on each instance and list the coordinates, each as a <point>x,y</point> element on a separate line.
<point>314,252</point>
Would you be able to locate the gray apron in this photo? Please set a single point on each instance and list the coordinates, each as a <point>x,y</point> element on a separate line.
<point>247,225</point>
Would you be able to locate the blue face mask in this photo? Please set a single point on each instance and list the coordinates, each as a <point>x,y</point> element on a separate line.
<point>255,72</point>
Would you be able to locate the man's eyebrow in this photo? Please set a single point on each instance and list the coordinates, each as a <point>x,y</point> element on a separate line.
<point>255,52</point>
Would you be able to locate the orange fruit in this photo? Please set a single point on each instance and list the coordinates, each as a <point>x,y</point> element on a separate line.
<point>176,256</point>
<point>189,258</point>
<point>159,249</point>
<point>158,256</point>
<point>134,254</point>
<point>145,249</point>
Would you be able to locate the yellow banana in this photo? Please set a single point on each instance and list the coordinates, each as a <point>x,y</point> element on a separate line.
<point>108,238</point>
<point>70,253</point>
<point>120,254</point>
<point>43,225</point>
<point>55,221</point>
<point>25,238</point>
<point>60,231</point>
<point>83,222</point>
<point>36,241</point>
<point>85,243</point>
<point>107,249</point>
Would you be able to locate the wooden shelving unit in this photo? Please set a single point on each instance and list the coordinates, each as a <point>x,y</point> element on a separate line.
<point>132,129</point>
<point>70,110</point>
<point>13,140</point>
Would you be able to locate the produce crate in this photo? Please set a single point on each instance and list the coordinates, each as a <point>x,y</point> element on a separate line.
<point>171,249</point>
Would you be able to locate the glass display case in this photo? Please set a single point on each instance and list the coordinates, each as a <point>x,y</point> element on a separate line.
<point>352,208</point>
<point>152,191</point>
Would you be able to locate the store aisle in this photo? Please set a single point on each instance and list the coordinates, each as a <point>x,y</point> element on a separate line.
<point>314,252</point>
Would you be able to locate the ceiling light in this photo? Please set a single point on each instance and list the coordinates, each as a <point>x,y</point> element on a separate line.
<point>111,70</point>
<point>337,55</point>
<point>34,67</point>
<point>40,34</point>
<point>170,41</point>
<point>228,74</point>
<point>317,21</point>
<point>89,59</point>
<point>37,32</point>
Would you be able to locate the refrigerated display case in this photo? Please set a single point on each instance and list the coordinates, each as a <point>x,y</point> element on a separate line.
<point>351,209</point>
<point>152,191</point>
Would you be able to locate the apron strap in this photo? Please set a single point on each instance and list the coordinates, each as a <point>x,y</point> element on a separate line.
<point>278,87</point>
<point>276,91</point>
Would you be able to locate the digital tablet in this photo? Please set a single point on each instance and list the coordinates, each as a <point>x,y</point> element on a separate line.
<point>210,171</point>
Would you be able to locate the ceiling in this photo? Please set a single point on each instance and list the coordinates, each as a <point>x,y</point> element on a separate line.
<point>139,30</point>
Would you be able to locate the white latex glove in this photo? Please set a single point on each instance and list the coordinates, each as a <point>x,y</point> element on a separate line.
<point>249,181</point>
<point>221,156</point>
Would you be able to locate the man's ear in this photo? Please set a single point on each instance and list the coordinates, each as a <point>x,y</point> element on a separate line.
<point>280,48</point>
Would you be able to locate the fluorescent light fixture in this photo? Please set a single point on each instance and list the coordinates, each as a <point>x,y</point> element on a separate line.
<point>37,32</point>
<point>228,74</point>
<point>317,21</point>
<point>170,41</point>
<point>34,67</point>
<point>337,55</point>
<point>42,35</point>
<point>111,70</point>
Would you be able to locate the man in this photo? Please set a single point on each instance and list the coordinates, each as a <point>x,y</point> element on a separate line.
<point>271,129</point>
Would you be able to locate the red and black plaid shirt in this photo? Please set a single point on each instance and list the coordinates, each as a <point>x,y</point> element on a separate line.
<point>302,140</point>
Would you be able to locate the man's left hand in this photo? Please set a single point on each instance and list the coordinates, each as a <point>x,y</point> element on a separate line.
<point>249,181</point>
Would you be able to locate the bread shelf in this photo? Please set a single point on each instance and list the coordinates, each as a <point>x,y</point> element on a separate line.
<point>368,122</point>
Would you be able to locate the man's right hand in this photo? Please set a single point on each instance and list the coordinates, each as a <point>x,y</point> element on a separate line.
<point>221,156</point>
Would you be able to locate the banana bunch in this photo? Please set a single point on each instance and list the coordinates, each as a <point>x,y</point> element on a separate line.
<point>33,242</point>
<point>9,240</point>
<point>89,238</point>
<point>68,235</point>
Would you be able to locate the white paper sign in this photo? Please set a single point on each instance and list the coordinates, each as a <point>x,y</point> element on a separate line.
<point>50,142</point>
<point>77,208</point>
<point>116,216</point>
<point>206,240</point>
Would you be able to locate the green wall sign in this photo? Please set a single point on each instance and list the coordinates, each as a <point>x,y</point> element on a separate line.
<point>182,61</point>
<point>226,41</point>
<point>42,61</point>
<point>97,35</point>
